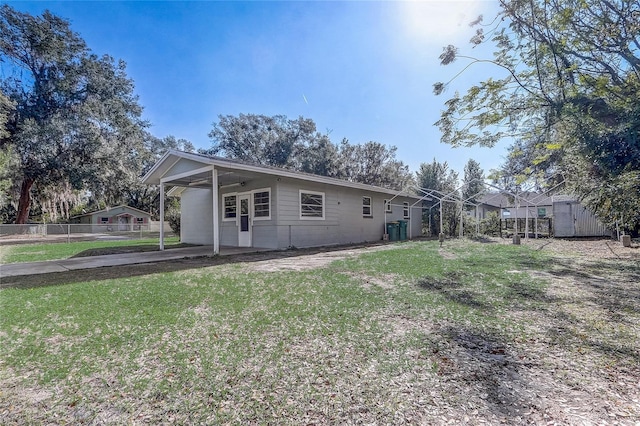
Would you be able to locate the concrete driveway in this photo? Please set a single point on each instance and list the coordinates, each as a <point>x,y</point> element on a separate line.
<point>89,262</point>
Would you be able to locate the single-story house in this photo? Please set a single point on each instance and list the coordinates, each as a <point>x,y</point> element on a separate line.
<point>529,204</point>
<point>569,218</point>
<point>232,203</point>
<point>120,218</point>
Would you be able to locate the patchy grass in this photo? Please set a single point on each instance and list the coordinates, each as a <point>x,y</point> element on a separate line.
<point>416,334</point>
<point>38,252</point>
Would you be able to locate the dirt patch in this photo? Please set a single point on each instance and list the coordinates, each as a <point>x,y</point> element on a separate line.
<point>313,260</point>
<point>592,249</point>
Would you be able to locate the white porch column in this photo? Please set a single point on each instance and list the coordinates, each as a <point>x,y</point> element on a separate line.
<point>161,216</point>
<point>216,224</point>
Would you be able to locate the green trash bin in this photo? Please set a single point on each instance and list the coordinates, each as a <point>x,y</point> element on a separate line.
<point>393,229</point>
<point>403,229</point>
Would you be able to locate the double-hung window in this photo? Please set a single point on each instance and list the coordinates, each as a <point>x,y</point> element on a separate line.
<point>387,206</point>
<point>262,204</point>
<point>405,210</point>
<point>366,207</point>
<point>311,205</point>
<point>230,206</point>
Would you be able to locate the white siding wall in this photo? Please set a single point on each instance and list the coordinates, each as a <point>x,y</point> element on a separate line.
<point>196,220</point>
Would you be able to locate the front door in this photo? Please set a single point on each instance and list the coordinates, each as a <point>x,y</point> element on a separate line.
<point>244,228</point>
<point>123,223</point>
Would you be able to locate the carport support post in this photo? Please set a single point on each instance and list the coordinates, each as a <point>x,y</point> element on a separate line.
<point>216,225</point>
<point>161,215</point>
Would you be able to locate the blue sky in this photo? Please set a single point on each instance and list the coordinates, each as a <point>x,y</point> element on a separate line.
<point>361,70</point>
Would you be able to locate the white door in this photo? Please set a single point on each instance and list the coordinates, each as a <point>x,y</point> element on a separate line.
<point>123,223</point>
<point>244,218</point>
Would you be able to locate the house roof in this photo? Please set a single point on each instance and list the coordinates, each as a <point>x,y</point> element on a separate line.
<point>108,209</point>
<point>236,171</point>
<point>501,199</point>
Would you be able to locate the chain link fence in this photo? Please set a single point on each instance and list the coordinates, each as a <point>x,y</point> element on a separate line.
<point>60,231</point>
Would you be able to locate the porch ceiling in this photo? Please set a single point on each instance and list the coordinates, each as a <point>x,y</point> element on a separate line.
<point>226,177</point>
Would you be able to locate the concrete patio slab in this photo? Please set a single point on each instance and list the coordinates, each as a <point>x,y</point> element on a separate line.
<point>89,262</point>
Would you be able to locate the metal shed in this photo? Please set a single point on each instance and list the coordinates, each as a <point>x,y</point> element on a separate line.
<point>571,219</point>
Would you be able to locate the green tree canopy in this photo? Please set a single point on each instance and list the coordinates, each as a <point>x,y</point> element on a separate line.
<point>473,181</point>
<point>76,118</point>
<point>296,145</point>
<point>566,96</point>
<point>260,139</point>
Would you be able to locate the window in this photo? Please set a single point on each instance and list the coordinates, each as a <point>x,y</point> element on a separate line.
<point>311,205</point>
<point>405,210</point>
<point>230,207</point>
<point>139,219</point>
<point>366,207</point>
<point>262,204</point>
<point>104,220</point>
<point>387,206</point>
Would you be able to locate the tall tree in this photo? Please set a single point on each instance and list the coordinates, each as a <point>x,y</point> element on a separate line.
<point>259,139</point>
<point>439,177</point>
<point>147,197</point>
<point>568,92</point>
<point>473,181</point>
<point>76,117</point>
<point>296,145</point>
<point>374,164</point>
<point>320,157</point>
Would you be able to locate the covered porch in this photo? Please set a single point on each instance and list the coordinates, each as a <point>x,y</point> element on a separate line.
<point>178,171</point>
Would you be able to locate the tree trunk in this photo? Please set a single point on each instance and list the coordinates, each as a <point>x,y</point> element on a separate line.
<point>24,205</point>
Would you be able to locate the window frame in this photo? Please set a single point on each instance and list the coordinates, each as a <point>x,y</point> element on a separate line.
<point>102,220</point>
<point>406,210</point>
<point>253,204</point>
<point>365,206</point>
<point>387,206</point>
<point>224,207</point>
<point>322,194</point>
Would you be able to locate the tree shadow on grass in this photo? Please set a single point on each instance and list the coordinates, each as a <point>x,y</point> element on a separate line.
<point>453,290</point>
<point>487,368</point>
<point>590,313</point>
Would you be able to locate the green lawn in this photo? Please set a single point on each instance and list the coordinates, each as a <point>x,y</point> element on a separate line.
<point>414,334</point>
<point>53,251</point>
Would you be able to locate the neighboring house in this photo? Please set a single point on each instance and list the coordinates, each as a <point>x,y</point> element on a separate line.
<point>568,217</point>
<point>529,204</point>
<point>120,218</point>
<point>231,203</point>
